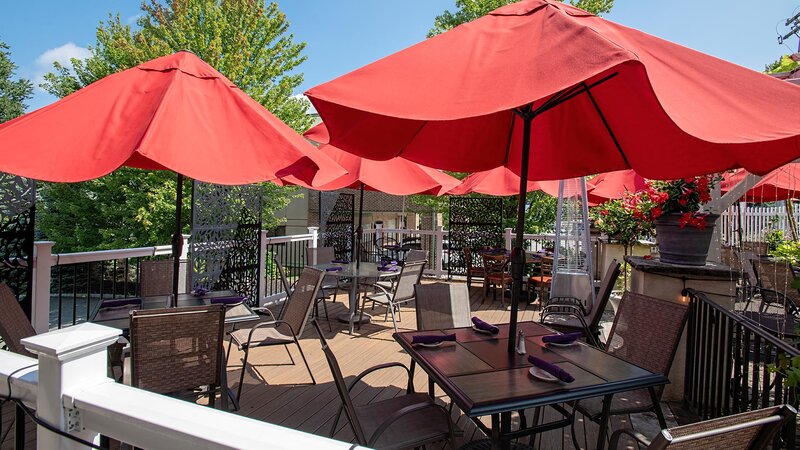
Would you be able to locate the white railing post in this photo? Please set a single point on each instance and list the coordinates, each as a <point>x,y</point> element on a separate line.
<point>70,359</point>
<point>509,236</point>
<point>183,273</point>
<point>438,251</point>
<point>262,269</point>
<point>314,232</point>
<point>40,304</point>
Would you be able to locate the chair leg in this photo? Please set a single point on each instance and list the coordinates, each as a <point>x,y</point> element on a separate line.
<point>391,307</point>
<point>327,317</point>
<point>469,281</point>
<point>241,376</point>
<point>230,344</point>
<point>662,422</point>
<point>604,419</point>
<point>302,355</point>
<point>336,421</point>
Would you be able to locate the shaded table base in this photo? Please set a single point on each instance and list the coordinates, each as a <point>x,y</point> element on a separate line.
<point>345,317</point>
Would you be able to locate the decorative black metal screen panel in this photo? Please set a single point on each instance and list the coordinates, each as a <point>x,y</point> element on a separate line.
<point>17,207</point>
<point>225,246</point>
<point>339,228</point>
<point>475,222</point>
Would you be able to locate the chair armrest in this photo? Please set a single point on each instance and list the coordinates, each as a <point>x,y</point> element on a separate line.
<point>614,444</point>
<point>383,291</point>
<point>381,367</point>
<point>262,310</point>
<point>265,324</point>
<point>394,417</point>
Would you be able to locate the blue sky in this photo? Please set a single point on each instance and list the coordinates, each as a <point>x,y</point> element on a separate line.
<point>346,34</point>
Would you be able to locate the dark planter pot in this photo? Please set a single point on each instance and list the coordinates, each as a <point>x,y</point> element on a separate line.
<point>688,245</point>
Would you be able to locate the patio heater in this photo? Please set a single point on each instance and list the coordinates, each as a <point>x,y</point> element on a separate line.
<point>572,259</point>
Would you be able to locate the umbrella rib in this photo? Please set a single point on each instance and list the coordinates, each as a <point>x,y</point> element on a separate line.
<point>510,134</point>
<point>403,148</point>
<point>581,88</point>
<point>607,125</point>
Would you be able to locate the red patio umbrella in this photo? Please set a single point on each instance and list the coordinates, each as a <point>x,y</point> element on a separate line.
<point>782,183</point>
<point>395,176</point>
<point>578,93</point>
<point>175,112</point>
<point>502,181</point>
<point>612,185</point>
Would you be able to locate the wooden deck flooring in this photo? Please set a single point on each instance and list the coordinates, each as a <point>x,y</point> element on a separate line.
<point>280,393</point>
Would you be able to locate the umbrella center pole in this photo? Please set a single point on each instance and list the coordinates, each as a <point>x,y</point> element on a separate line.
<point>177,241</point>
<point>518,253</point>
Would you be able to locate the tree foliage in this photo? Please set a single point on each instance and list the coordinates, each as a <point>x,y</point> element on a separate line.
<point>783,64</point>
<point>245,40</point>
<point>13,93</point>
<point>469,10</point>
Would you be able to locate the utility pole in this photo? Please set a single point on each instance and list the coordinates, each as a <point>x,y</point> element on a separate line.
<point>794,30</point>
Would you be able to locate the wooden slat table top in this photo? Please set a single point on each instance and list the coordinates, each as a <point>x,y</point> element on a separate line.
<point>481,377</point>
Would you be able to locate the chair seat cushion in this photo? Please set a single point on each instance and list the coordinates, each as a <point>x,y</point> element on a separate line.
<point>541,279</point>
<point>409,431</point>
<point>499,278</point>
<point>261,336</point>
<point>622,403</point>
<point>475,272</point>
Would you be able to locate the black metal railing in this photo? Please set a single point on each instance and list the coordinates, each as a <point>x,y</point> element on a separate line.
<point>727,364</point>
<point>394,244</point>
<point>292,256</point>
<point>75,289</point>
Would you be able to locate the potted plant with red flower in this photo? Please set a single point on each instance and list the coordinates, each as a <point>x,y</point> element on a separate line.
<point>683,233</point>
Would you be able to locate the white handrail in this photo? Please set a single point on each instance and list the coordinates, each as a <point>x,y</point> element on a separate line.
<point>106,255</point>
<point>147,420</point>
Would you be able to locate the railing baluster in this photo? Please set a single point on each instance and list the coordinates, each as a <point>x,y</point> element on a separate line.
<point>88,289</point>
<point>756,373</point>
<point>737,368</point>
<point>74,293</point>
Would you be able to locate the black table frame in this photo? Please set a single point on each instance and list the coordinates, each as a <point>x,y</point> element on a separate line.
<point>500,410</point>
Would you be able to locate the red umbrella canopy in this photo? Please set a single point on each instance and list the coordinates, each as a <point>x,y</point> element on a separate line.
<point>782,183</point>
<point>605,97</point>
<point>396,176</point>
<point>502,181</point>
<point>175,112</point>
<point>612,185</point>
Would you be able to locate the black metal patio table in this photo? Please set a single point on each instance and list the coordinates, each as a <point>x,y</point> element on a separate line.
<point>482,378</point>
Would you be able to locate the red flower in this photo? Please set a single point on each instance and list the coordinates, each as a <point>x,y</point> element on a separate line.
<point>603,212</point>
<point>656,212</point>
<point>682,202</point>
<point>686,219</point>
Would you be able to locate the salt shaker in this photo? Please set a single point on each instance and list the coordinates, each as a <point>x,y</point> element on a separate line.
<point>521,343</point>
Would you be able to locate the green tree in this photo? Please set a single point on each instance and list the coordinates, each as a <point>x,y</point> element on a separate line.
<point>783,64</point>
<point>245,40</point>
<point>13,93</point>
<point>469,10</point>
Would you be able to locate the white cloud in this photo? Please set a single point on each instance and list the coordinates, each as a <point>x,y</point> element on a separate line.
<point>62,54</point>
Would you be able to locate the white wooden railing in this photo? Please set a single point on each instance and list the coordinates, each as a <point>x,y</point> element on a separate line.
<point>755,222</point>
<point>69,390</point>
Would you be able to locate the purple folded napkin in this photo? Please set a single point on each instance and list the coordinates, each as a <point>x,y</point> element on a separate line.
<point>481,325</point>
<point>333,269</point>
<point>228,300</point>
<point>340,261</point>
<point>432,338</point>
<point>388,268</point>
<point>120,302</point>
<point>567,338</point>
<point>199,291</point>
<point>552,369</point>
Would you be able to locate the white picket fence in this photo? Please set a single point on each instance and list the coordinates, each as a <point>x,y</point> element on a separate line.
<point>755,222</point>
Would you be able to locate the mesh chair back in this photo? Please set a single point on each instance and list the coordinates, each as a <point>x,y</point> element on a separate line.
<point>441,306</point>
<point>646,331</point>
<point>301,300</point>
<point>416,256</point>
<point>776,276</point>
<point>341,386</point>
<point>324,255</point>
<point>14,324</point>
<point>155,277</point>
<point>175,349</point>
<point>752,430</point>
<point>606,287</point>
<point>282,274</point>
<point>409,277</point>
<point>748,271</point>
